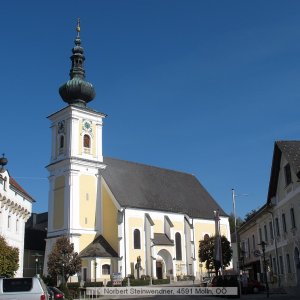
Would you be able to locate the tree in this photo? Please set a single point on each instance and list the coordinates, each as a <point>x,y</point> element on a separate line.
<point>249,215</point>
<point>63,260</point>
<point>207,251</point>
<point>9,259</point>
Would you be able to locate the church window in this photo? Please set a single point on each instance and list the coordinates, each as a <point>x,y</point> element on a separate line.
<point>178,246</point>
<point>17,225</point>
<point>85,220</point>
<point>86,141</point>
<point>106,269</point>
<point>137,239</point>
<point>87,196</point>
<point>8,221</point>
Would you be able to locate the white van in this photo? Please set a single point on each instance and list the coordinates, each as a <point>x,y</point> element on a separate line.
<point>27,288</point>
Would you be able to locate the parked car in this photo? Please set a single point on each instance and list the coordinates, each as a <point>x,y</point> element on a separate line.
<point>26,288</point>
<point>57,294</point>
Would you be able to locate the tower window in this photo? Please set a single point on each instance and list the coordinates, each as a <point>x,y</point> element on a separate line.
<point>178,246</point>
<point>137,239</point>
<point>86,141</point>
<point>61,142</point>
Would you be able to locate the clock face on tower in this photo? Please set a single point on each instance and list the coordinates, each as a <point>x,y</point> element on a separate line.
<point>61,126</point>
<point>87,126</point>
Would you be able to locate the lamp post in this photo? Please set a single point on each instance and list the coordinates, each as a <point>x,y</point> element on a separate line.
<point>236,236</point>
<point>63,274</point>
<point>95,269</point>
<point>263,248</point>
<point>36,265</point>
<point>36,261</point>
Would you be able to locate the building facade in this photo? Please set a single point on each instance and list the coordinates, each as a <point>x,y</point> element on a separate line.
<point>276,224</point>
<point>15,210</point>
<point>122,217</point>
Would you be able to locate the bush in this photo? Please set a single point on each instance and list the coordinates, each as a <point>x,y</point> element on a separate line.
<point>93,284</point>
<point>161,281</point>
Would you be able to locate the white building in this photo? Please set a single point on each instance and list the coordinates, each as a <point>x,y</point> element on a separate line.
<point>15,209</point>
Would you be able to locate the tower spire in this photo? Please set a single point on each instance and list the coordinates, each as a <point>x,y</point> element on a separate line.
<point>77,91</point>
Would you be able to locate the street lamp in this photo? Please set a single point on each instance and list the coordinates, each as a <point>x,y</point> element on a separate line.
<point>36,260</point>
<point>263,248</point>
<point>36,265</point>
<point>95,269</point>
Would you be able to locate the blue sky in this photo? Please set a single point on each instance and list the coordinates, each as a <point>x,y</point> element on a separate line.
<point>203,87</point>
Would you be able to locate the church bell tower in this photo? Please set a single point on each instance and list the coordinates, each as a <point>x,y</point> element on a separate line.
<point>76,161</point>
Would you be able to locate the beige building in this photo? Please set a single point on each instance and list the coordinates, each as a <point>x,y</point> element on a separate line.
<point>122,217</point>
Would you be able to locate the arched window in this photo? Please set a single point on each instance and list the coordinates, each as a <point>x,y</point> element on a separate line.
<point>178,246</point>
<point>61,141</point>
<point>136,239</point>
<point>86,141</point>
<point>106,269</point>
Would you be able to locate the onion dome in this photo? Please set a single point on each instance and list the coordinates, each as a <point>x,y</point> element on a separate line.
<point>77,91</point>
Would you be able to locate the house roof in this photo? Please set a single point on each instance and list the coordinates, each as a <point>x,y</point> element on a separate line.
<point>141,186</point>
<point>14,184</point>
<point>162,239</point>
<point>291,151</point>
<point>98,248</point>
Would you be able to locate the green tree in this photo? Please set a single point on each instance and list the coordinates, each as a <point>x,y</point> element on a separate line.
<point>63,261</point>
<point>9,259</point>
<point>207,251</point>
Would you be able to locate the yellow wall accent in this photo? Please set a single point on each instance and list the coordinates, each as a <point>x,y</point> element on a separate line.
<point>58,203</point>
<point>109,216</point>
<point>158,226</point>
<point>178,226</point>
<point>136,223</point>
<point>88,186</point>
<point>85,240</point>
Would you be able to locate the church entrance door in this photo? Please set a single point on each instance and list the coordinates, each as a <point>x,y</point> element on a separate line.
<point>159,270</point>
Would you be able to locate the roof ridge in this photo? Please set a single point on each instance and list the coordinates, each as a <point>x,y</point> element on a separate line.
<point>151,166</point>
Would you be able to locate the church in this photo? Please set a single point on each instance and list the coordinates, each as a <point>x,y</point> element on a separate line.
<point>122,217</point>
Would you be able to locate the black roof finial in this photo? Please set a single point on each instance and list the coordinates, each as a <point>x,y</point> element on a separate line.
<point>3,162</point>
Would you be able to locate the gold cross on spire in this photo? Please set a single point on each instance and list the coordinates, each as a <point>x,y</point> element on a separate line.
<point>78,26</point>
